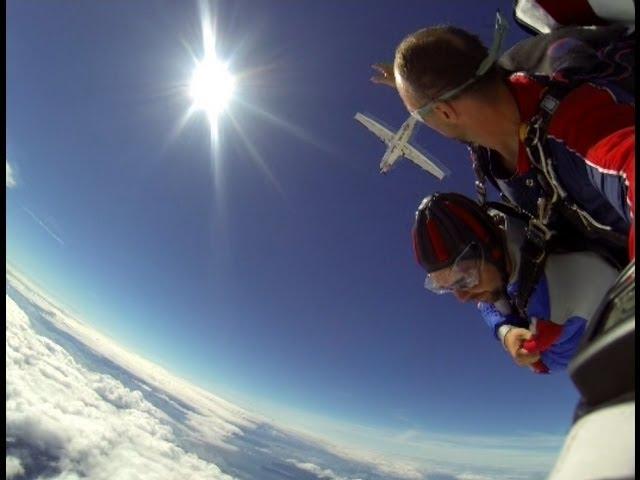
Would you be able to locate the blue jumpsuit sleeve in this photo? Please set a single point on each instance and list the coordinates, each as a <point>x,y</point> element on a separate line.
<point>495,319</point>
<point>558,356</point>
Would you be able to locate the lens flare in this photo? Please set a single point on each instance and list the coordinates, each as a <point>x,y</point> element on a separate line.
<point>211,87</point>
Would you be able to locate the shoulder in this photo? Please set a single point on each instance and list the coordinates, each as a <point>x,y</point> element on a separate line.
<point>576,283</point>
<point>590,113</point>
<point>527,90</point>
<point>586,264</point>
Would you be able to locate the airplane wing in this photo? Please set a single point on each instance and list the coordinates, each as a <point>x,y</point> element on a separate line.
<point>430,165</point>
<point>382,133</point>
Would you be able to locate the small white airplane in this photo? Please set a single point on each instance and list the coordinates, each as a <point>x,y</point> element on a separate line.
<point>398,146</point>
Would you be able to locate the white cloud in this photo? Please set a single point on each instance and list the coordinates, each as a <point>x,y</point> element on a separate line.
<point>212,430</point>
<point>14,467</point>
<point>210,420</point>
<point>205,403</point>
<point>11,180</point>
<point>472,476</point>
<point>415,454</point>
<point>90,423</point>
<point>324,473</point>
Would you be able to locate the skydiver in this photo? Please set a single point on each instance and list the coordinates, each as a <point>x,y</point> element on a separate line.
<point>468,253</point>
<point>439,73</point>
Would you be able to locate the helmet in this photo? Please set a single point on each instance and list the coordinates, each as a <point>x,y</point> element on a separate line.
<point>447,224</point>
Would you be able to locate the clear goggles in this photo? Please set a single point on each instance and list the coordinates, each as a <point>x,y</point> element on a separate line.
<point>463,275</point>
<point>496,46</point>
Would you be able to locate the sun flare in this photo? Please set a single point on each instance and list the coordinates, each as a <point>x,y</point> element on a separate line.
<point>211,87</point>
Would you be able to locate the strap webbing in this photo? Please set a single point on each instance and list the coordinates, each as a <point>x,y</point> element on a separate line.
<point>553,208</point>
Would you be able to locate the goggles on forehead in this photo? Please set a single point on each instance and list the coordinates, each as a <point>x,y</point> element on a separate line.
<point>498,36</point>
<point>464,274</point>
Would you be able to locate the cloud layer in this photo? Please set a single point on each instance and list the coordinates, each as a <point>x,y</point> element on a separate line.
<point>79,405</point>
<point>88,424</point>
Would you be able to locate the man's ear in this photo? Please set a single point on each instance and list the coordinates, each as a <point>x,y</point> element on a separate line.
<point>447,112</point>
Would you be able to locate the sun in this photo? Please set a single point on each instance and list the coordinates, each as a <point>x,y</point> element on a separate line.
<point>211,87</point>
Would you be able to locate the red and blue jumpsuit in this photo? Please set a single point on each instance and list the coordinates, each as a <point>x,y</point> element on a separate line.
<point>591,140</point>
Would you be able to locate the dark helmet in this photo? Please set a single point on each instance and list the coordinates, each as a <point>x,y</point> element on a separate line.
<point>447,223</point>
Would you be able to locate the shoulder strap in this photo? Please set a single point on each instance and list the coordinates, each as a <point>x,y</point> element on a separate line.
<point>535,247</point>
<point>533,55</point>
<point>556,201</point>
<point>554,206</point>
<point>479,162</point>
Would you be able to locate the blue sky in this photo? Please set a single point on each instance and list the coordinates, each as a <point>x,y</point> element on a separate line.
<point>278,269</point>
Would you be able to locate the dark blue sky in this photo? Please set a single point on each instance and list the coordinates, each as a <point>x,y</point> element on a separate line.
<point>280,269</point>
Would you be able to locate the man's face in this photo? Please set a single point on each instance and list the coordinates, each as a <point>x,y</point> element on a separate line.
<point>489,286</point>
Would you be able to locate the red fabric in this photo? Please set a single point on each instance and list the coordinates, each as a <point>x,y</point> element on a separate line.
<point>539,367</point>
<point>528,94</point>
<point>436,240</point>
<point>470,221</point>
<point>546,334</point>
<point>605,138</point>
<point>571,12</point>
<point>589,122</point>
<point>616,153</point>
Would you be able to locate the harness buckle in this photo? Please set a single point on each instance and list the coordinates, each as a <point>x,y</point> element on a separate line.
<point>549,104</point>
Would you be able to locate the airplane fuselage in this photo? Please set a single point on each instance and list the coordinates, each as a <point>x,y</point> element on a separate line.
<point>398,146</point>
<point>395,146</point>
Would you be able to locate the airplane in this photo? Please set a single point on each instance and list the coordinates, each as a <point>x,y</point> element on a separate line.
<point>398,146</point>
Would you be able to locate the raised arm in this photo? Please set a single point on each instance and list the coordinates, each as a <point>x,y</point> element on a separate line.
<point>383,74</point>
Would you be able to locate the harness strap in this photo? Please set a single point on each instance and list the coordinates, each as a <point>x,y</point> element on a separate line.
<point>590,227</point>
<point>535,247</point>
<point>481,178</point>
<point>552,206</point>
<point>533,255</point>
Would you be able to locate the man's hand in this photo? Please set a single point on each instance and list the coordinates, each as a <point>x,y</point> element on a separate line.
<point>384,74</point>
<point>513,341</point>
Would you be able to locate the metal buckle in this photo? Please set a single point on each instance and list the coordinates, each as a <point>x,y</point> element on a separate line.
<point>549,104</point>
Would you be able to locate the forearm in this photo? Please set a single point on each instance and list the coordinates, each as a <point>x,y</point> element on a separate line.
<point>498,318</point>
